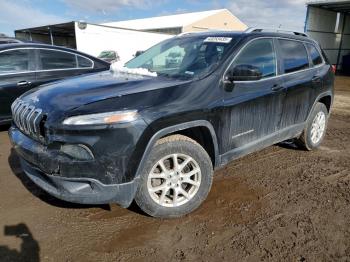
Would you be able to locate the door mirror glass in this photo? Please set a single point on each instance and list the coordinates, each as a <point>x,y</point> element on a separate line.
<point>245,73</point>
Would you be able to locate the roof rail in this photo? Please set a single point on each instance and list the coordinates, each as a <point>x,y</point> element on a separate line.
<point>274,30</point>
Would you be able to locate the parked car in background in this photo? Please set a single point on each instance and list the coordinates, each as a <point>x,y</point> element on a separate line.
<point>154,135</point>
<point>109,56</point>
<point>9,40</point>
<point>24,66</point>
<point>173,59</point>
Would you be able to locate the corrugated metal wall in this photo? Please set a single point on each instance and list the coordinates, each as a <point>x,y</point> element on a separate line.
<point>331,30</point>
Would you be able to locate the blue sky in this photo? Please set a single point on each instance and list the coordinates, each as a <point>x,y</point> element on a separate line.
<point>17,14</point>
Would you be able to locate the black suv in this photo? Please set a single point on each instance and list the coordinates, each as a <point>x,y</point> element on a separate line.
<point>153,132</point>
<point>24,66</point>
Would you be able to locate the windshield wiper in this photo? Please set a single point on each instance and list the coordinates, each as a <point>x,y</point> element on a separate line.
<point>175,76</point>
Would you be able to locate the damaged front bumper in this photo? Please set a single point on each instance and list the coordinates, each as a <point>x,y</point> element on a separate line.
<point>42,166</point>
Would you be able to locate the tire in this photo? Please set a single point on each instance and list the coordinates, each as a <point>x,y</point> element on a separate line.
<point>172,180</point>
<point>308,140</point>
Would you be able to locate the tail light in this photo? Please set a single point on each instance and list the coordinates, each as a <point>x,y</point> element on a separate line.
<point>334,69</point>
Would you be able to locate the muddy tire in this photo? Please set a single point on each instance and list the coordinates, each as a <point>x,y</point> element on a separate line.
<point>315,129</point>
<point>177,178</point>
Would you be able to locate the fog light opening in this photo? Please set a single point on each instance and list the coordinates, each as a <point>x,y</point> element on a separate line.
<point>79,152</point>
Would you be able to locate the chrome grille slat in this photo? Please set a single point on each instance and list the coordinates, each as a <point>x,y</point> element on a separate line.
<point>21,116</point>
<point>27,118</point>
<point>39,111</point>
<point>16,110</point>
<point>29,123</point>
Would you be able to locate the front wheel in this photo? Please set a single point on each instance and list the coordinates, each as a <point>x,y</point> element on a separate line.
<point>177,178</point>
<point>315,129</point>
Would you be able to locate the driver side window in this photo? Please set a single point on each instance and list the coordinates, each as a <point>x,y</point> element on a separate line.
<point>259,54</point>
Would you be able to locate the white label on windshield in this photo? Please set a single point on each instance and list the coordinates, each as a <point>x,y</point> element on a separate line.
<point>212,39</point>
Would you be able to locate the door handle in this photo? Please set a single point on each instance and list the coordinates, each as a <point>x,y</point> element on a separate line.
<point>277,87</point>
<point>23,83</point>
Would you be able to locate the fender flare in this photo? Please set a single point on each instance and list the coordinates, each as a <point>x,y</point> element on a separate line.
<point>318,98</point>
<point>175,128</point>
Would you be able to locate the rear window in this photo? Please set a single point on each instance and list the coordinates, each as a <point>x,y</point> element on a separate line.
<point>52,59</point>
<point>84,62</point>
<point>294,56</point>
<point>314,55</point>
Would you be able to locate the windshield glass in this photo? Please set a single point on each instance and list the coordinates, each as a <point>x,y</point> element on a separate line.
<point>184,56</point>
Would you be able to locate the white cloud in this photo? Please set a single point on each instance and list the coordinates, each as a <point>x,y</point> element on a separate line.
<point>105,6</point>
<point>288,14</point>
<point>21,14</point>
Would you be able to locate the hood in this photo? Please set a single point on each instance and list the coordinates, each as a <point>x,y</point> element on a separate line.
<point>74,92</point>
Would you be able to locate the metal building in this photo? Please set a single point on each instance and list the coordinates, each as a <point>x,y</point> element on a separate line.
<point>93,38</point>
<point>221,19</point>
<point>328,22</point>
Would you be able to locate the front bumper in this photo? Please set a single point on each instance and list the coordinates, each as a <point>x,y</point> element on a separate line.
<point>43,165</point>
<point>81,190</point>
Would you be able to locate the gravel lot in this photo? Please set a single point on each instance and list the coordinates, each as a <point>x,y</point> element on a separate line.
<point>280,204</point>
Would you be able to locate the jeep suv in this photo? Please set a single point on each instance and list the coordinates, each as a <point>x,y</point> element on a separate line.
<point>154,134</point>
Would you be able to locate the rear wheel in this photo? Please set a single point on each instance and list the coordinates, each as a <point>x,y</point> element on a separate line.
<point>315,129</point>
<point>177,178</point>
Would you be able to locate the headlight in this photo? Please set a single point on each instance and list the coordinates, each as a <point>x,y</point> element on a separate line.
<point>102,118</point>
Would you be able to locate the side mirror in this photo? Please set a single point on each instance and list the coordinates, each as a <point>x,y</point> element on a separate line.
<point>244,73</point>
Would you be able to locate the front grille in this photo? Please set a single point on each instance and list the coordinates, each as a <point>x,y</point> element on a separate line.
<point>27,118</point>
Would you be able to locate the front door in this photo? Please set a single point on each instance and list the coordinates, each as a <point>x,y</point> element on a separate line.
<point>254,107</point>
<point>17,75</point>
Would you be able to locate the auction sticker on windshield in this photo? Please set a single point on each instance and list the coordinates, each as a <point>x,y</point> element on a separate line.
<point>212,39</point>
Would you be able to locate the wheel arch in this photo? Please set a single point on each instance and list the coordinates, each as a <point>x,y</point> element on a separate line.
<point>188,129</point>
<point>325,98</point>
<point>327,101</point>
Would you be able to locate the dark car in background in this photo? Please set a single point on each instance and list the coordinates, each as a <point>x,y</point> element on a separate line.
<point>9,40</point>
<point>24,66</point>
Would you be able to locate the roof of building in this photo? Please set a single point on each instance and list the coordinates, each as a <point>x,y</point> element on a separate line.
<point>333,5</point>
<point>169,21</point>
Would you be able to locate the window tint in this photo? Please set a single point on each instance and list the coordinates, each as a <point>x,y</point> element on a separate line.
<point>260,54</point>
<point>14,61</point>
<point>83,62</point>
<point>52,59</point>
<point>294,56</point>
<point>314,54</point>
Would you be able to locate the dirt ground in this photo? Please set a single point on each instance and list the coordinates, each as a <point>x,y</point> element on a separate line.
<point>280,204</point>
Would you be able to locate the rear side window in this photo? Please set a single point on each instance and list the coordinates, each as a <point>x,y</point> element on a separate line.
<point>83,62</point>
<point>314,55</point>
<point>52,59</point>
<point>15,61</point>
<point>260,54</point>
<point>294,56</point>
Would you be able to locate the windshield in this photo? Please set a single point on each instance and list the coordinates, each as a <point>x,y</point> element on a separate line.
<point>184,56</point>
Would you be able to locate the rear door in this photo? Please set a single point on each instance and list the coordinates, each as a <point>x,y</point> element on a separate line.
<point>299,79</point>
<point>57,64</point>
<point>17,75</point>
<point>255,106</point>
